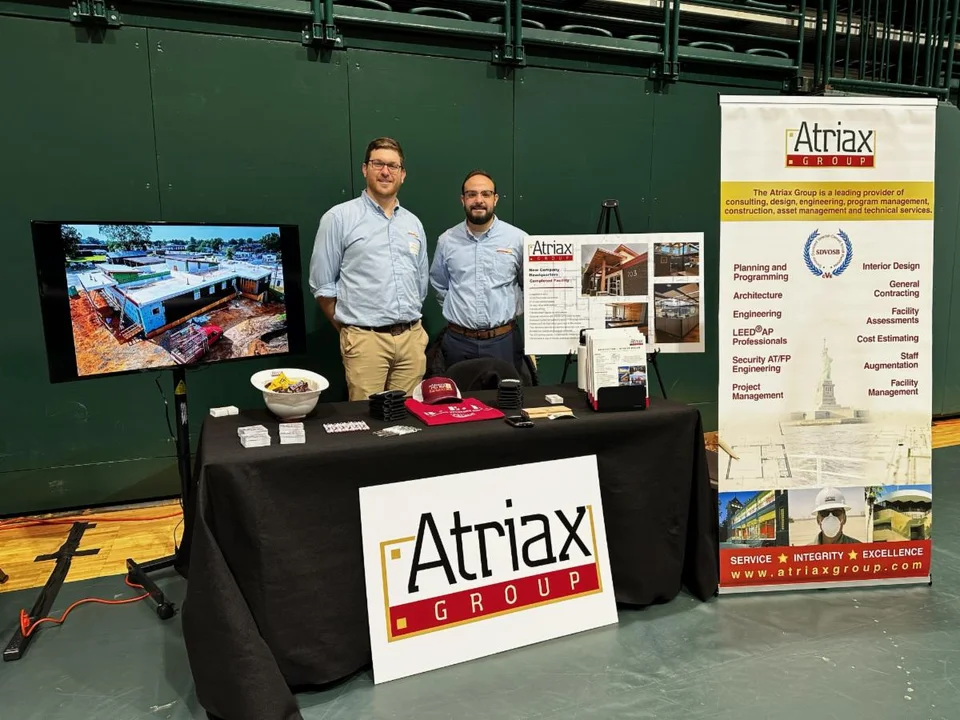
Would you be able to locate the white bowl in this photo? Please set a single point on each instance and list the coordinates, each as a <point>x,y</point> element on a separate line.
<point>290,406</point>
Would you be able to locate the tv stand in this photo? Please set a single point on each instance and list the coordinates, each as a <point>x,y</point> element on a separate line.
<point>138,573</point>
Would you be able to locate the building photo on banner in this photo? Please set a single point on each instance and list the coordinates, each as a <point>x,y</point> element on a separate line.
<point>825,326</point>
<point>464,566</point>
<point>652,282</point>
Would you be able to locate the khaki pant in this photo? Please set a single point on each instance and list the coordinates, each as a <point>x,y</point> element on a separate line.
<point>376,361</point>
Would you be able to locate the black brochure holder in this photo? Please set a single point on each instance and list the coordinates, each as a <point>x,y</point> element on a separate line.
<point>622,397</point>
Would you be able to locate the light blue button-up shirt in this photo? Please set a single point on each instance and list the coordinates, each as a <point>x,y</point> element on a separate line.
<point>479,279</point>
<point>376,266</point>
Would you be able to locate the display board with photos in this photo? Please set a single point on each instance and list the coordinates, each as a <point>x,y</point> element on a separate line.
<point>650,281</point>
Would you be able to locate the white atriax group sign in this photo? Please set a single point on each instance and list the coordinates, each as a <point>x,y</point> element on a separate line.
<point>463,566</point>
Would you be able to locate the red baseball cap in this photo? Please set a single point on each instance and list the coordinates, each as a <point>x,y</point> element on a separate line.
<point>436,390</point>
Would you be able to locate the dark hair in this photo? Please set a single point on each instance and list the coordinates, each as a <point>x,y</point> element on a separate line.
<point>383,143</point>
<point>472,173</point>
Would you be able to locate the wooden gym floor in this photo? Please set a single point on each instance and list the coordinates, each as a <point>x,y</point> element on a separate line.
<point>141,532</point>
<point>148,532</point>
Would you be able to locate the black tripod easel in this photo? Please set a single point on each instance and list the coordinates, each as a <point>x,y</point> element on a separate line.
<point>608,209</point>
<point>138,573</point>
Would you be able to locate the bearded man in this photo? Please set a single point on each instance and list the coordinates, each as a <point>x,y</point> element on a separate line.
<point>477,273</point>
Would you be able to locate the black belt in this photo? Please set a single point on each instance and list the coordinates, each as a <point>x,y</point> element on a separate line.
<point>396,329</point>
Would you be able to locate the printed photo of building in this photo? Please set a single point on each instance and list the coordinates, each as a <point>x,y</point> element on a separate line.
<point>631,375</point>
<point>618,270</point>
<point>618,315</point>
<point>757,519</point>
<point>902,513</point>
<point>676,259</point>
<point>677,313</point>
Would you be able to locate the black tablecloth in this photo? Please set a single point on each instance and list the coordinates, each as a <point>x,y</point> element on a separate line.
<point>276,592</point>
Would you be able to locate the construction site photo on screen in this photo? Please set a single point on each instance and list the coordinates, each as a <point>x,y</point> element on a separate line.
<point>144,296</point>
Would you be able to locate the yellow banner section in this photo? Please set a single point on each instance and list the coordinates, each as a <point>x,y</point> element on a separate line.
<point>819,201</point>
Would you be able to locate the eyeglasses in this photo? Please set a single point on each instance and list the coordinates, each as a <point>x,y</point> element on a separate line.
<point>836,512</point>
<point>380,165</point>
<point>485,194</point>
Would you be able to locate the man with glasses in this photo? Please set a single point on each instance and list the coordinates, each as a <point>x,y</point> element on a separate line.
<point>831,512</point>
<point>477,273</point>
<point>369,273</point>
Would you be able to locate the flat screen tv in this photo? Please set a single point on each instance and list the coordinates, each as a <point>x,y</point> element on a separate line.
<point>134,297</point>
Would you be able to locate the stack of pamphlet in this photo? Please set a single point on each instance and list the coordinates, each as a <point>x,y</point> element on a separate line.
<point>254,436</point>
<point>616,358</point>
<point>292,433</point>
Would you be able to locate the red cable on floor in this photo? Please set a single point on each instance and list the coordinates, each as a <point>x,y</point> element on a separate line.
<point>27,627</point>
<point>9,524</point>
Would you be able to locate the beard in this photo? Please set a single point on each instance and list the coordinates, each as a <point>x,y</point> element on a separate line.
<point>480,218</point>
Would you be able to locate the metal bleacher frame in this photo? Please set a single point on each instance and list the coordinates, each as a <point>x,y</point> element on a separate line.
<point>811,46</point>
<point>804,46</point>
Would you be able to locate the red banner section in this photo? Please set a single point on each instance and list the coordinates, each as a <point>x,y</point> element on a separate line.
<point>824,563</point>
<point>488,601</point>
<point>830,161</point>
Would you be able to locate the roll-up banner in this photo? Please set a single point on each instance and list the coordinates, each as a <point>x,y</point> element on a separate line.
<point>825,341</point>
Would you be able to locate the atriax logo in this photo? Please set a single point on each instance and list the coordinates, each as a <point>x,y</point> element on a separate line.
<point>827,255</point>
<point>813,145</point>
<point>461,568</point>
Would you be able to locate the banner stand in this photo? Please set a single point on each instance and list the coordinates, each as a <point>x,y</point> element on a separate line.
<point>826,342</point>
